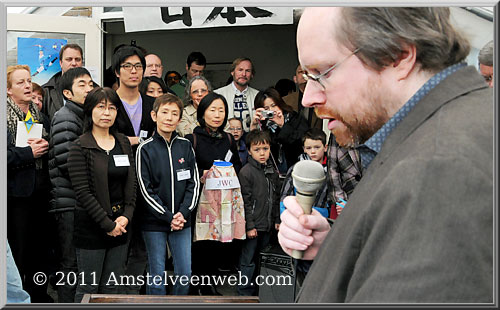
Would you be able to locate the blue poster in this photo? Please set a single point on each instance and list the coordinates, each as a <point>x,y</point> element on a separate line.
<point>42,55</point>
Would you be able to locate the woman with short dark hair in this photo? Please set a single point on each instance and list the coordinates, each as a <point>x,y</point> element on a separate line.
<point>101,169</point>
<point>209,140</point>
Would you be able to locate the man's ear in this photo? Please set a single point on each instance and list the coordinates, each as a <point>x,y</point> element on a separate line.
<point>67,94</point>
<point>406,62</point>
<point>295,79</point>
<point>187,68</point>
<point>153,116</point>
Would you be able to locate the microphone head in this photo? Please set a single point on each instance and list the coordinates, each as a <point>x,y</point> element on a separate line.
<point>308,176</point>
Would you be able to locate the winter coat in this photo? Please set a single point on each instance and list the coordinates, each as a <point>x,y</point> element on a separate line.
<point>66,127</point>
<point>208,149</point>
<point>260,191</point>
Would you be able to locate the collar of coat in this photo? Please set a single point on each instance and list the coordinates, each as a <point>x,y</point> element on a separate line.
<point>87,140</point>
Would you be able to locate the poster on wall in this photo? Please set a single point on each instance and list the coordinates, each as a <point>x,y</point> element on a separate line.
<point>41,55</point>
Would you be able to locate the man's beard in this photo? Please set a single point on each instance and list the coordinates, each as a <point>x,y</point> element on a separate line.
<point>359,127</point>
<point>242,84</point>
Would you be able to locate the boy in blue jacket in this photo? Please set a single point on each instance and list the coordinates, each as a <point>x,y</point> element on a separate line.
<point>168,180</point>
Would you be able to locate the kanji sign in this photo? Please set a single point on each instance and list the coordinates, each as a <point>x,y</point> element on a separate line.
<point>159,18</point>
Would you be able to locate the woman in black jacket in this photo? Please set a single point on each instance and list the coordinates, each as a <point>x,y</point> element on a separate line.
<point>101,168</point>
<point>209,140</point>
<point>210,143</point>
<point>286,127</point>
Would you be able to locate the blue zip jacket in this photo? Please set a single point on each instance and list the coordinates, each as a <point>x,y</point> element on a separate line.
<point>168,180</point>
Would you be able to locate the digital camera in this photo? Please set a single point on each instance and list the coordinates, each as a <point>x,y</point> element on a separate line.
<point>267,114</point>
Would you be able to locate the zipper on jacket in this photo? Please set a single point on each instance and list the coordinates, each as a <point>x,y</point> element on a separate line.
<point>269,203</point>
<point>171,173</point>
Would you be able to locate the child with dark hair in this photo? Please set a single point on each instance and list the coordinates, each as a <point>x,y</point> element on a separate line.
<point>314,145</point>
<point>259,188</point>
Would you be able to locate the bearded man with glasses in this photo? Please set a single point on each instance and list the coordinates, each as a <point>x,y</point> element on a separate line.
<point>392,83</point>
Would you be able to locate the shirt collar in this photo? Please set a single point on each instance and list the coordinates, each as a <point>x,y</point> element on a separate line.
<point>377,140</point>
<point>238,92</point>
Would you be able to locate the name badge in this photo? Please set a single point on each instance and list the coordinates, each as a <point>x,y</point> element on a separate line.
<point>228,156</point>
<point>222,183</point>
<point>143,134</point>
<point>121,160</point>
<point>183,175</point>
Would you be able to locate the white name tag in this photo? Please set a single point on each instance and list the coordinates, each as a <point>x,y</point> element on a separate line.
<point>121,160</point>
<point>228,156</point>
<point>222,183</point>
<point>143,134</point>
<point>183,175</point>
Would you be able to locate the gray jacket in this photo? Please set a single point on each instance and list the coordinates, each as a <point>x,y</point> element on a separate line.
<point>419,226</point>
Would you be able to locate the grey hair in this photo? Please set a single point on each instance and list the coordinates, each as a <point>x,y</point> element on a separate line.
<point>486,54</point>
<point>382,33</point>
<point>187,90</point>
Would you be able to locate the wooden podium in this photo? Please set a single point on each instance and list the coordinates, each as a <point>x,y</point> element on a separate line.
<point>168,299</point>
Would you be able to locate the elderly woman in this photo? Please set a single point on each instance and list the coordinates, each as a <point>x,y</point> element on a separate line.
<point>29,184</point>
<point>102,171</point>
<point>286,126</point>
<point>197,88</point>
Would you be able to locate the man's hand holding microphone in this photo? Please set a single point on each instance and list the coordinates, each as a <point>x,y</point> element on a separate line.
<point>301,231</point>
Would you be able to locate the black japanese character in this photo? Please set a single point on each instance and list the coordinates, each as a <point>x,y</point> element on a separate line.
<point>185,16</point>
<point>258,13</point>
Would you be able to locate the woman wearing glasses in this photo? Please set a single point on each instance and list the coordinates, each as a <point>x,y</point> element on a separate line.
<point>286,126</point>
<point>197,88</point>
<point>101,169</point>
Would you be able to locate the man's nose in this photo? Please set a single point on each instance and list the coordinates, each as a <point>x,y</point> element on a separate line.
<point>312,95</point>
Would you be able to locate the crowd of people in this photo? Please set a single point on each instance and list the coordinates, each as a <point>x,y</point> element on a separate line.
<point>112,185</point>
<point>120,168</point>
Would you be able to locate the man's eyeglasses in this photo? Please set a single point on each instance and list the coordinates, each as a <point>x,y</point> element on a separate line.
<point>487,78</point>
<point>128,66</point>
<point>157,66</point>
<point>318,77</point>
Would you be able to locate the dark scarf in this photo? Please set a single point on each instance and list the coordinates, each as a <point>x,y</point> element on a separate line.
<point>214,133</point>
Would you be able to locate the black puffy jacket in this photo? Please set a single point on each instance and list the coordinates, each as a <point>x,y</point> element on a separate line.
<point>260,189</point>
<point>66,127</point>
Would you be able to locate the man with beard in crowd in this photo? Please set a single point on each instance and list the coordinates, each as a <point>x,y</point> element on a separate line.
<point>239,95</point>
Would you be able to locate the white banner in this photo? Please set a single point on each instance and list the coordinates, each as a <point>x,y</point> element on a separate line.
<point>222,183</point>
<point>159,18</point>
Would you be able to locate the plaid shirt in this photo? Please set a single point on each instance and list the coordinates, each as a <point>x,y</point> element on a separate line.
<point>344,170</point>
